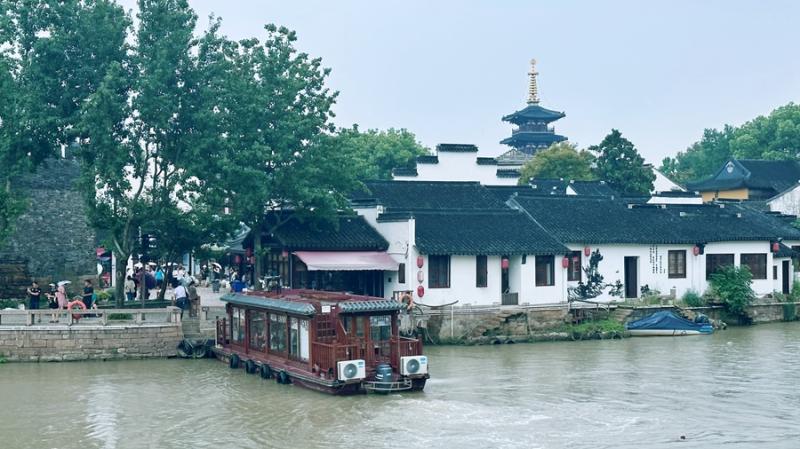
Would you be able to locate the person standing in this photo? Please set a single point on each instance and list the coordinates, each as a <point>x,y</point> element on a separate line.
<point>130,288</point>
<point>52,303</point>
<point>194,298</point>
<point>159,277</point>
<point>215,275</point>
<point>61,298</point>
<point>35,295</point>
<point>180,297</point>
<point>88,293</point>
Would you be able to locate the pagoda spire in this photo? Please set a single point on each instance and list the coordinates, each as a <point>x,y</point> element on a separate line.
<point>533,89</point>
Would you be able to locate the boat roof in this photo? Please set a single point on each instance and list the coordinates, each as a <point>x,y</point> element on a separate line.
<point>309,302</point>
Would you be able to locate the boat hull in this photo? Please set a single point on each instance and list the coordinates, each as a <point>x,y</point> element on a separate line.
<point>309,380</point>
<point>666,332</point>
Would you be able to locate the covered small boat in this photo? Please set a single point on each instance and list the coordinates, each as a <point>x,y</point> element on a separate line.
<point>668,323</point>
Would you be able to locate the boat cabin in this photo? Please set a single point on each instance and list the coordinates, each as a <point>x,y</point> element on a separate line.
<point>309,336</point>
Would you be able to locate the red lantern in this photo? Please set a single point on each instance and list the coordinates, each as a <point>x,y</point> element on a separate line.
<point>420,261</point>
<point>565,262</point>
<point>696,250</point>
<point>587,251</point>
<point>420,276</point>
<point>776,247</point>
<point>504,263</point>
<point>237,259</point>
<point>285,254</point>
<point>420,291</point>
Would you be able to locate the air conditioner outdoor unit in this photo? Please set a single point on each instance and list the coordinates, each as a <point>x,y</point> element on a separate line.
<point>417,364</point>
<point>351,369</point>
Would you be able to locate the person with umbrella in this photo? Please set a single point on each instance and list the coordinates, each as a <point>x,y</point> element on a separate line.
<point>215,274</point>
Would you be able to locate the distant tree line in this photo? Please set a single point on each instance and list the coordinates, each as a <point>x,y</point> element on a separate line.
<point>614,160</point>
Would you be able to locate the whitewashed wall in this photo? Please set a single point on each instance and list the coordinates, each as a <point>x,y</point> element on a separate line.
<point>664,184</point>
<point>653,266</point>
<point>788,203</point>
<point>458,166</point>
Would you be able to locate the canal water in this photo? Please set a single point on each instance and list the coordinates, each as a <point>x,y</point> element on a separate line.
<point>737,388</point>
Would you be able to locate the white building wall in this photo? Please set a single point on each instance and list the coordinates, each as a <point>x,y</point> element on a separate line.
<point>653,266</point>
<point>531,294</point>
<point>788,203</point>
<point>462,283</point>
<point>664,184</point>
<point>458,166</point>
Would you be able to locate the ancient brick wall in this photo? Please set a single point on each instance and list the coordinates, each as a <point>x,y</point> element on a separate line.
<point>54,235</point>
<point>111,342</point>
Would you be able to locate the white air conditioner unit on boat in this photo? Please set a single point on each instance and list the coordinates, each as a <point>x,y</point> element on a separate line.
<point>351,369</point>
<point>411,365</point>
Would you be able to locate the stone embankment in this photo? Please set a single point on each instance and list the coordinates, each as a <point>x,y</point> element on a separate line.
<point>93,338</point>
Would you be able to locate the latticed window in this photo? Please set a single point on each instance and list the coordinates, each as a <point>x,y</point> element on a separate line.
<point>676,263</point>
<point>545,271</point>
<point>574,267</point>
<point>757,263</point>
<point>716,261</point>
<point>439,271</point>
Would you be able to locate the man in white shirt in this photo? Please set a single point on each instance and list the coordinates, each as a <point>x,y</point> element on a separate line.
<point>181,299</point>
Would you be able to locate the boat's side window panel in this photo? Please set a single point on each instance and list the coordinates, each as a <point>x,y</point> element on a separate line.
<point>354,325</point>
<point>237,325</point>
<point>258,330</point>
<point>277,332</point>
<point>298,339</point>
<point>380,327</point>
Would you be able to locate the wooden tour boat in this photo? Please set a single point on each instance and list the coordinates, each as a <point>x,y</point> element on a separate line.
<point>332,342</point>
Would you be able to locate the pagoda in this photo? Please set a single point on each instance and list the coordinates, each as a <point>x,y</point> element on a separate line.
<point>532,132</point>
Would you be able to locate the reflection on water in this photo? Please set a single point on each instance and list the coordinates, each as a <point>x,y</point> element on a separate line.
<point>737,388</point>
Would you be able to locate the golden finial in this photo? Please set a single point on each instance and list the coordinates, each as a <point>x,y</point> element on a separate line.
<point>533,90</point>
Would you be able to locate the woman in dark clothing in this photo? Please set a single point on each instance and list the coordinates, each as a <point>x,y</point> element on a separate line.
<point>88,293</point>
<point>35,295</point>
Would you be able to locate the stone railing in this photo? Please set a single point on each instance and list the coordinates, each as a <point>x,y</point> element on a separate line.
<point>81,317</point>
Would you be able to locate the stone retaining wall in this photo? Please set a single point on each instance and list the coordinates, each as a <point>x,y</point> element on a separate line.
<point>111,342</point>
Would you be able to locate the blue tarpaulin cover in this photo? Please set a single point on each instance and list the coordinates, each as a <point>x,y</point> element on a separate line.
<point>665,320</point>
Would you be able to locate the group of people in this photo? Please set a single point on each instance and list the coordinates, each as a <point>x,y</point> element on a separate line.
<point>58,297</point>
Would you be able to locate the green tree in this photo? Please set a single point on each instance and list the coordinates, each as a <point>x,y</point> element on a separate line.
<point>733,286</point>
<point>53,55</point>
<point>140,131</point>
<point>376,153</point>
<point>560,160</point>
<point>621,166</point>
<point>278,160</point>
<point>774,137</point>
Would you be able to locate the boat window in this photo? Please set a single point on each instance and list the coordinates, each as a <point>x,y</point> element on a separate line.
<point>380,327</point>
<point>354,321</point>
<point>294,338</point>
<point>258,331</point>
<point>277,332</point>
<point>237,325</point>
<point>304,340</point>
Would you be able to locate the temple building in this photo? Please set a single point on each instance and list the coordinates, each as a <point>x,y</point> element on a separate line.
<point>533,131</point>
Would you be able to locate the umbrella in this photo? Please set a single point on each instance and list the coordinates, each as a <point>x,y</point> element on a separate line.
<point>216,265</point>
<point>62,283</point>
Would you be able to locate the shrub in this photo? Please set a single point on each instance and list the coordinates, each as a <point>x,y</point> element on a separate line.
<point>105,296</point>
<point>732,286</point>
<point>692,299</point>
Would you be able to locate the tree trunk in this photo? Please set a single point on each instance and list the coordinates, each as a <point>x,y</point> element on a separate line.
<point>167,276</point>
<point>257,266</point>
<point>119,286</point>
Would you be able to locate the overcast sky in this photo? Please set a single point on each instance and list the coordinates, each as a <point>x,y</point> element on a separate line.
<point>448,71</point>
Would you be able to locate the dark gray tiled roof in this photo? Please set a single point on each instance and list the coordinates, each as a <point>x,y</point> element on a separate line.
<point>403,171</point>
<point>427,159</point>
<point>457,148</point>
<point>771,176</point>
<point>482,232</point>
<point>369,306</point>
<point>577,219</point>
<point>598,188</point>
<point>278,305</point>
<point>429,195</point>
<point>533,112</point>
<point>507,173</point>
<point>349,232</point>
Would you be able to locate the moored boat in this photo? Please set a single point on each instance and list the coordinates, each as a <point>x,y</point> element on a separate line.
<point>332,342</point>
<point>667,323</point>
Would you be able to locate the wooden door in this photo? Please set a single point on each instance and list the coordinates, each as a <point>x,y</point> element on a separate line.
<point>631,277</point>
<point>785,277</point>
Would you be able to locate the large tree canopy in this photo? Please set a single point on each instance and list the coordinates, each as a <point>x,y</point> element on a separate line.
<point>774,137</point>
<point>621,166</point>
<point>375,153</point>
<point>560,160</point>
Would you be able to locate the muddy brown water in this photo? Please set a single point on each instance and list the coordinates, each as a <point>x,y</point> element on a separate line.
<point>739,388</point>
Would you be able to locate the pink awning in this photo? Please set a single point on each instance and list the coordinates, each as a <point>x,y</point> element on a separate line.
<point>347,260</point>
